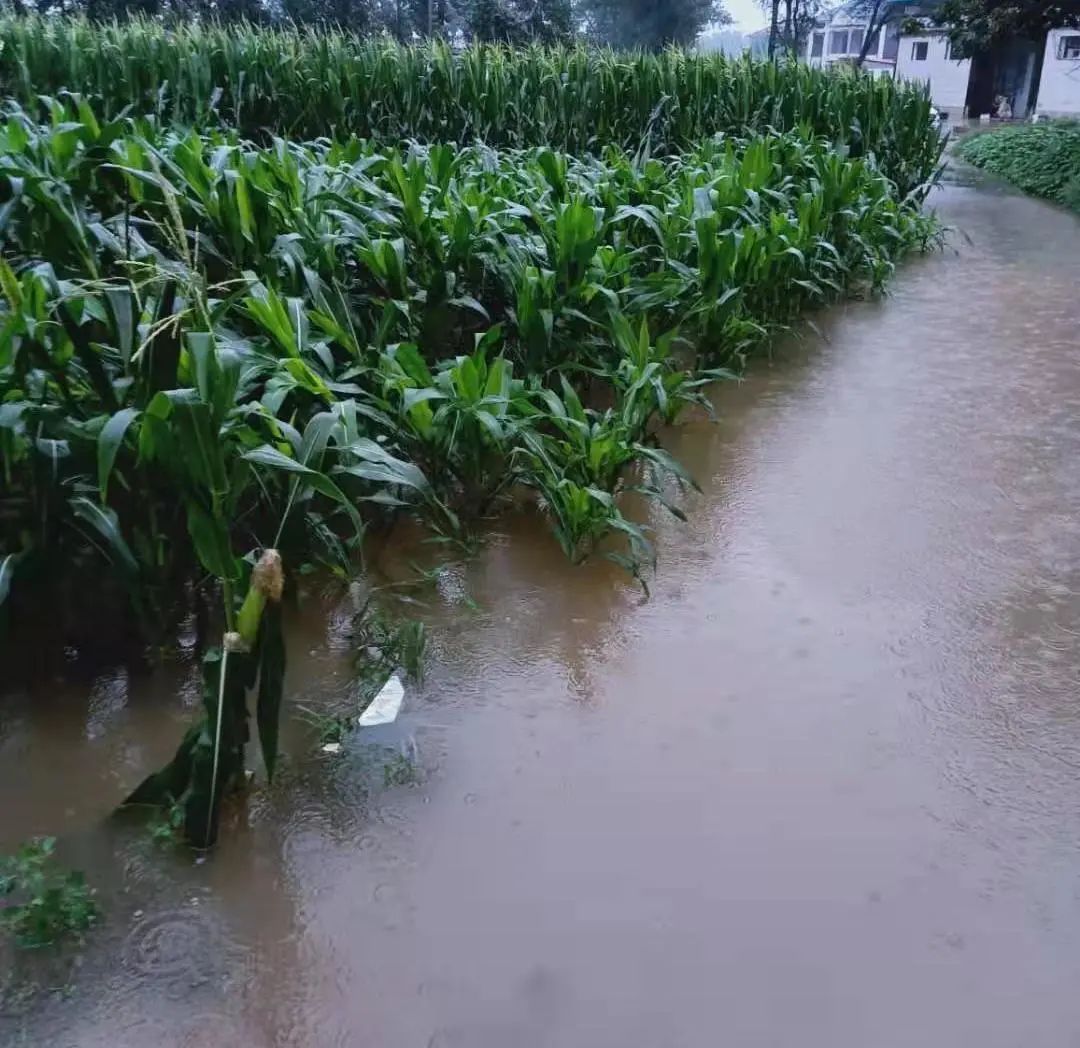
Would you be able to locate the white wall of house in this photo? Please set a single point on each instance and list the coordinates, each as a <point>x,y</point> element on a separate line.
<point>841,40</point>
<point>1059,88</point>
<point>926,59</point>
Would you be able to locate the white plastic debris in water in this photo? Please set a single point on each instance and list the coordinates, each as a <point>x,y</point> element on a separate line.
<point>332,747</point>
<point>385,706</point>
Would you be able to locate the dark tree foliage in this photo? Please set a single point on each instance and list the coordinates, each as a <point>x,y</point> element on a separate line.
<point>650,24</point>
<point>877,14</point>
<point>976,25</point>
<point>790,24</point>
<point>511,21</point>
<point>518,21</point>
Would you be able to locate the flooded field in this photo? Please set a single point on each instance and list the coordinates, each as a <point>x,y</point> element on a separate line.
<point>819,791</point>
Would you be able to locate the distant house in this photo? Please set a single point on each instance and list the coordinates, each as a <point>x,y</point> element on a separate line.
<point>1033,78</point>
<point>927,58</point>
<point>839,40</point>
<point>1059,85</point>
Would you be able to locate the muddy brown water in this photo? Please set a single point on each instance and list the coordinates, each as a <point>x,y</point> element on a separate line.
<point>822,789</point>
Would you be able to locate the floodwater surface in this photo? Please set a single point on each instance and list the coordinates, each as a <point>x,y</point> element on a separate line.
<point>821,790</point>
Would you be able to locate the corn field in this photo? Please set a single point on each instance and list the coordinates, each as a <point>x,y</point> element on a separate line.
<point>305,84</point>
<point>258,305</point>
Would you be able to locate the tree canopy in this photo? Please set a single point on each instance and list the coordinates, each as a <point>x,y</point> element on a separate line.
<point>650,23</point>
<point>975,25</point>
<point>790,23</point>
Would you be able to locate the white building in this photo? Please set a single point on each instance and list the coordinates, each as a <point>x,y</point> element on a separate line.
<point>927,58</point>
<point>1059,85</point>
<point>1032,79</point>
<point>840,40</point>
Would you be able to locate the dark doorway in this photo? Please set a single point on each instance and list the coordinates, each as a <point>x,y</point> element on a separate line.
<point>1010,71</point>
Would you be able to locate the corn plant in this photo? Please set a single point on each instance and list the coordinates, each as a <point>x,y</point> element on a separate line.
<point>305,278</point>
<point>222,357</point>
<point>305,83</point>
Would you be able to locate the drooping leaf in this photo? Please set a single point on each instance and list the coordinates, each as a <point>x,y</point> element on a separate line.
<point>170,783</point>
<point>659,457</point>
<point>271,684</point>
<point>7,573</point>
<point>110,439</point>
<point>378,463</point>
<point>103,521</point>
<point>210,538</point>
<point>269,456</point>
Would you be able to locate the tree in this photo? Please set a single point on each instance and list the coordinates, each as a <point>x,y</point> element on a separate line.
<point>774,26</point>
<point>790,33</point>
<point>877,14</point>
<point>979,25</point>
<point>519,21</point>
<point>651,24</point>
<point>345,13</point>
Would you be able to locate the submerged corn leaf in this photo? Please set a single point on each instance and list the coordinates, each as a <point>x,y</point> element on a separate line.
<point>271,685</point>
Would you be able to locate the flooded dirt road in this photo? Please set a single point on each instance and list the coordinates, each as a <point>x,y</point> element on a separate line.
<point>821,790</point>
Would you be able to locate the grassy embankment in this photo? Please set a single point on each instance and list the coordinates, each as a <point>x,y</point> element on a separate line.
<point>1041,159</point>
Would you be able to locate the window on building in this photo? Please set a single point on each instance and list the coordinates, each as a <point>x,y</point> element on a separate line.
<point>1069,47</point>
<point>817,43</point>
<point>919,50</point>
<point>838,42</point>
<point>872,47</point>
<point>855,42</point>
<point>892,42</point>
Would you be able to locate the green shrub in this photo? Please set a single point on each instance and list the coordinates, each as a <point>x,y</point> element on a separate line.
<point>40,904</point>
<point>1042,159</point>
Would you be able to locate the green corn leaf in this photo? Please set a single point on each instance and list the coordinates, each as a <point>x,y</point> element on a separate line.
<point>109,441</point>
<point>169,784</point>
<point>211,540</point>
<point>269,456</point>
<point>271,684</point>
<point>7,573</point>
<point>104,523</point>
<point>660,457</point>
<point>380,464</point>
<point>121,305</point>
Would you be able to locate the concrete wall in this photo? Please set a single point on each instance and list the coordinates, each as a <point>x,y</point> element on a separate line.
<point>948,79</point>
<point>1059,88</point>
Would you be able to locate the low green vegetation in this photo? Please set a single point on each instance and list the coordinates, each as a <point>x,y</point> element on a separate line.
<point>1042,159</point>
<point>228,357</point>
<point>400,770</point>
<point>297,343</point>
<point>41,904</point>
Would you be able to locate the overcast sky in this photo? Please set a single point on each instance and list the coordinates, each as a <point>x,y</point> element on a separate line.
<point>747,14</point>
